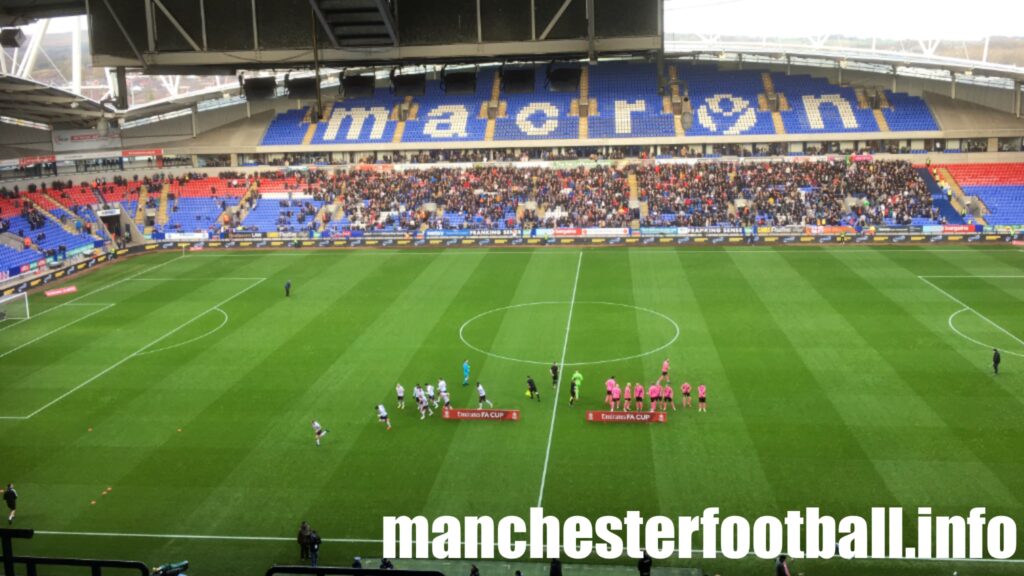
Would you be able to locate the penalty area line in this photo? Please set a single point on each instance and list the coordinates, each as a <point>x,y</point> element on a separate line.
<point>979,314</point>
<point>138,352</point>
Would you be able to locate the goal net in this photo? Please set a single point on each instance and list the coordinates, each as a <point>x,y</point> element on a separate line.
<point>14,307</point>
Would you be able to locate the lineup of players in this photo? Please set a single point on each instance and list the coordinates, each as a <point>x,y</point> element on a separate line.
<point>659,396</point>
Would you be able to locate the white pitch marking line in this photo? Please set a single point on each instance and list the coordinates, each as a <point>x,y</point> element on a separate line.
<point>210,279</point>
<point>534,249</point>
<point>141,350</point>
<point>696,551</point>
<point>971,276</point>
<point>199,537</point>
<point>953,327</point>
<point>980,315</point>
<point>58,329</point>
<point>191,340</point>
<point>558,385</point>
<point>96,291</point>
<point>462,333</point>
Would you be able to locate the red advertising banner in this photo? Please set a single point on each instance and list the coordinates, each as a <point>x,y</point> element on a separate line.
<point>61,291</point>
<point>33,160</point>
<point>617,417</point>
<point>958,229</point>
<point>829,230</point>
<point>150,152</point>
<point>568,232</point>
<point>468,414</point>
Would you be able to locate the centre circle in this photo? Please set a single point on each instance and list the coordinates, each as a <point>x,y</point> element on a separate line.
<point>597,334</point>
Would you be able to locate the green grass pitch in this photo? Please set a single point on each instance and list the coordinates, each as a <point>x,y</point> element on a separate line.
<point>186,385</point>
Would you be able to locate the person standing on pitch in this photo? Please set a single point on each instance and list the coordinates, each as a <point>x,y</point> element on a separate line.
<point>314,548</point>
<point>531,387</point>
<point>483,397</point>
<point>11,499</point>
<point>645,563</point>
<point>304,537</point>
<point>465,373</point>
<point>287,288</point>
<point>577,384</point>
<point>996,359</point>
<point>781,568</point>
<point>554,375</point>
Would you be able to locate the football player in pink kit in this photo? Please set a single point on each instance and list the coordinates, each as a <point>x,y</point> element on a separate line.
<point>638,394</point>
<point>616,395</point>
<point>609,384</point>
<point>685,389</point>
<point>666,398</point>
<point>627,396</point>
<point>664,371</point>
<point>654,395</point>
<point>702,398</point>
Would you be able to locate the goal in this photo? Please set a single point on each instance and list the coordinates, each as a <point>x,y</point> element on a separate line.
<point>14,307</point>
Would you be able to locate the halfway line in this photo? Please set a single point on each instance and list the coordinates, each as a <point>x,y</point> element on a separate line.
<point>558,385</point>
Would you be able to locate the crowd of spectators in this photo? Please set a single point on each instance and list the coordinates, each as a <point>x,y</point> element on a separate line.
<point>784,193</point>
<point>490,197</point>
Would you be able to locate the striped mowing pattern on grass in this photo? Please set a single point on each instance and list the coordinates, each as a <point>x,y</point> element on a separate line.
<point>834,380</point>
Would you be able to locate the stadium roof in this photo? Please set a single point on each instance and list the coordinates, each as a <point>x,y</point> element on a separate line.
<point>29,100</point>
<point>163,80</point>
<point>21,12</point>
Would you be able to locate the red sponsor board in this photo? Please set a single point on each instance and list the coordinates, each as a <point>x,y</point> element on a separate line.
<point>33,160</point>
<point>195,248</point>
<point>568,232</point>
<point>829,230</point>
<point>958,229</point>
<point>468,414</point>
<point>61,291</point>
<point>626,417</point>
<point>1018,242</point>
<point>135,153</point>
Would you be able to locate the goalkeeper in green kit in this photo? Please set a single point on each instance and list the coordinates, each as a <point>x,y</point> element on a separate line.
<point>574,387</point>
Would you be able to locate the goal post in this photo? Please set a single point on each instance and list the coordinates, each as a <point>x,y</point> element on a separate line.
<point>14,307</point>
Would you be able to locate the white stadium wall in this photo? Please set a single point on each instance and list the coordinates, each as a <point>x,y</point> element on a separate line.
<point>22,137</point>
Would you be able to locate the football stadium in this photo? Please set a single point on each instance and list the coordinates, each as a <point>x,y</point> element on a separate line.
<point>521,287</point>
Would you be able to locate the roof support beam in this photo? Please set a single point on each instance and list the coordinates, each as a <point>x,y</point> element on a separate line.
<point>124,32</point>
<point>177,26</point>
<point>76,54</point>
<point>389,22</point>
<point>202,21</point>
<point>323,22</point>
<point>558,16</point>
<point>590,31</point>
<point>28,62</point>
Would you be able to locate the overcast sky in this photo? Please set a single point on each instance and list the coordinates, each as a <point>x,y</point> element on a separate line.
<point>894,19</point>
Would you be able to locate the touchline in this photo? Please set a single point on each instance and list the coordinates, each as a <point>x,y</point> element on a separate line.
<point>803,533</point>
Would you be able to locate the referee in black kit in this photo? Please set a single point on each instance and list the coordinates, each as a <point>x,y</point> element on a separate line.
<point>996,359</point>
<point>554,375</point>
<point>287,288</point>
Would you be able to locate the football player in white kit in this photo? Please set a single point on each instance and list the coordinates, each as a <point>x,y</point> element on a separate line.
<point>382,416</point>
<point>400,393</point>
<point>483,396</point>
<point>318,431</point>
<point>430,395</point>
